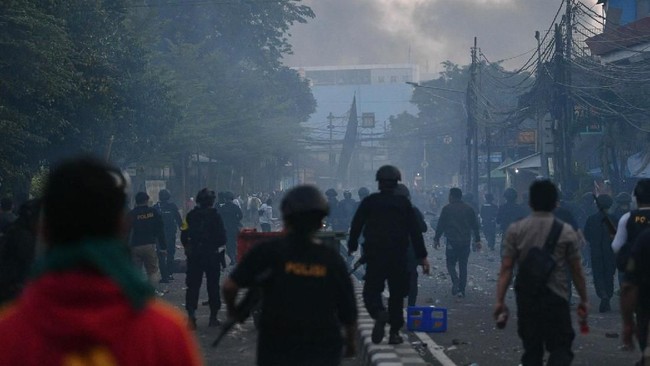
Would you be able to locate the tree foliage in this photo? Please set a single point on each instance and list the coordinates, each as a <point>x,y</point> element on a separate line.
<point>440,128</point>
<point>147,81</point>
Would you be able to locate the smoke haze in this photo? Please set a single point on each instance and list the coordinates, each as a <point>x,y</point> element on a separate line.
<point>426,32</point>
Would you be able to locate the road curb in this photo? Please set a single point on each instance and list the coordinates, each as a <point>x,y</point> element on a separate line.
<point>382,354</point>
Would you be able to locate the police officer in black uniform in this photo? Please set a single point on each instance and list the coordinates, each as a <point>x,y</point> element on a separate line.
<point>628,244</point>
<point>488,220</point>
<point>346,208</point>
<point>412,262</point>
<point>632,224</point>
<point>172,221</point>
<point>204,238</point>
<point>333,203</point>
<point>231,215</point>
<point>389,224</point>
<point>509,212</point>
<point>635,297</point>
<point>307,292</point>
<point>147,236</point>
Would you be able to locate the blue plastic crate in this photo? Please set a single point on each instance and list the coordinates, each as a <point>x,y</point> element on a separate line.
<point>428,319</point>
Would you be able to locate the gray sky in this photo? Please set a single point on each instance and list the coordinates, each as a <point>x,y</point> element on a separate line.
<point>350,32</point>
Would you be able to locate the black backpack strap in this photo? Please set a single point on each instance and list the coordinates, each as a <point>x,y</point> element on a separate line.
<point>553,236</point>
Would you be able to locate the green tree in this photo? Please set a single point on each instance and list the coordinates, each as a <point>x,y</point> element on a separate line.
<point>238,102</point>
<point>35,77</point>
<point>440,128</point>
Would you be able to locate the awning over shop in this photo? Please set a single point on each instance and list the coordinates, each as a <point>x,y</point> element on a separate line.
<point>496,173</point>
<point>529,162</point>
<point>638,165</point>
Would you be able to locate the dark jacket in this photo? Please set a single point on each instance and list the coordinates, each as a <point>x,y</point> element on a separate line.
<point>146,227</point>
<point>597,235</point>
<point>171,217</point>
<point>412,262</point>
<point>204,233</point>
<point>388,223</point>
<point>231,215</point>
<point>457,222</point>
<point>489,216</point>
<point>508,213</point>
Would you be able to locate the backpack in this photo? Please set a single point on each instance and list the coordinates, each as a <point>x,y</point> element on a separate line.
<point>536,268</point>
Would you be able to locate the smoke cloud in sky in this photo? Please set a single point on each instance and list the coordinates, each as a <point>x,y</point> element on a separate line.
<point>426,32</point>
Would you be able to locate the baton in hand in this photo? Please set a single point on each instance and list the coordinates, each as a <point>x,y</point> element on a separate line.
<point>360,262</point>
<point>243,310</point>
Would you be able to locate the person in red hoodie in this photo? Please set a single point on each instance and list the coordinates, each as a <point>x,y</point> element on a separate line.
<point>86,303</point>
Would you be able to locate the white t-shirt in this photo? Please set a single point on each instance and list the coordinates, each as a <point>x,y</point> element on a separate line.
<point>268,214</point>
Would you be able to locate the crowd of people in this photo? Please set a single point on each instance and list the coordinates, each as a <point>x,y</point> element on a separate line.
<point>95,277</point>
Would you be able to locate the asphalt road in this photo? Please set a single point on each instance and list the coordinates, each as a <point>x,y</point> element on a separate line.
<point>471,337</point>
<point>238,348</point>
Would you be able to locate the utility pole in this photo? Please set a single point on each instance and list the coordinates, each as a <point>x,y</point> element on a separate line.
<point>567,183</point>
<point>541,112</point>
<point>472,130</point>
<point>488,147</point>
<point>559,108</point>
<point>330,126</point>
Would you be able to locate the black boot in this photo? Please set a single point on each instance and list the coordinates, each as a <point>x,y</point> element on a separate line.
<point>395,338</point>
<point>378,331</point>
<point>214,322</point>
<point>191,322</point>
<point>191,319</point>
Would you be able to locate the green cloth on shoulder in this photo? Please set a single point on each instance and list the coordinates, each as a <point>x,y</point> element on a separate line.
<point>110,257</point>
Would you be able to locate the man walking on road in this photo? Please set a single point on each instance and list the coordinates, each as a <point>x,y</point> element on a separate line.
<point>389,224</point>
<point>308,295</point>
<point>603,262</point>
<point>488,220</point>
<point>509,212</point>
<point>544,319</point>
<point>457,223</point>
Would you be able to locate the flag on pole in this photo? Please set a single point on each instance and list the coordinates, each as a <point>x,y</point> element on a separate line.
<point>349,142</point>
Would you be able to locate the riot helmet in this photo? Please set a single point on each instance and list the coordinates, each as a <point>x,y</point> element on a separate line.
<point>642,192</point>
<point>141,198</point>
<point>388,173</point>
<point>510,194</point>
<point>331,193</point>
<point>363,192</point>
<point>164,195</point>
<point>205,198</point>
<point>302,200</point>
